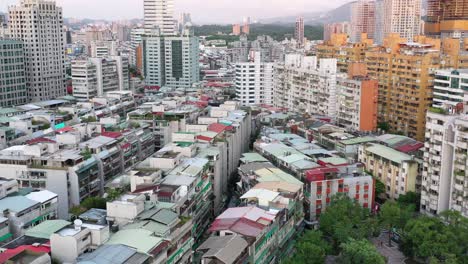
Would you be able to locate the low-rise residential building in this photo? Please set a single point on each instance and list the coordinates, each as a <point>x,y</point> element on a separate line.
<point>71,241</point>
<point>399,172</point>
<point>23,212</point>
<point>321,184</point>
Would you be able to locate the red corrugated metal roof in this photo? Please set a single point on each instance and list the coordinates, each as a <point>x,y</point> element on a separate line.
<point>218,128</point>
<point>318,174</point>
<point>10,253</point>
<point>40,140</point>
<point>64,130</point>
<point>205,138</point>
<point>410,147</point>
<point>111,134</point>
<point>241,226</point>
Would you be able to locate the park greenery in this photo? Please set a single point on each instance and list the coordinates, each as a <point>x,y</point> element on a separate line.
<point>345,230</point>
<point>277,32</point>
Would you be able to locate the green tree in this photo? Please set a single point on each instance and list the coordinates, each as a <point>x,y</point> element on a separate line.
<point>94,202</point>
<point>393,216</point>
<point>383,126</point>
<point>360,251</point>
<point>379,188</point>
<point>410,199</point>
<point>310,248</point>
<point>431,239</point>
<point>344,219</point>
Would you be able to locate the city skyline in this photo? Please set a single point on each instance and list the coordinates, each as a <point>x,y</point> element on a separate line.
<point>219,11</point>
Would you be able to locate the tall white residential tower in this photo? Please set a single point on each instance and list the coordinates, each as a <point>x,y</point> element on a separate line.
<point>39,24</point>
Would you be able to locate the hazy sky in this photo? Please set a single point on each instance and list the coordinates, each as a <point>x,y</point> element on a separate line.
<point>203,11</point>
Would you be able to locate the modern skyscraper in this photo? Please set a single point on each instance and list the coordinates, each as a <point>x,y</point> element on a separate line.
<point>39,24</point>
<point>159,14</point>
<point>12,73</point>
<point>299,32</point>
<point>336,28</point>
<point>379,34</point>
<point>402,17</point>
<point>362,19</point>
<point>184,18</point>
<point>171,60</point>
<point>254,81</point>
<point>447,19</point>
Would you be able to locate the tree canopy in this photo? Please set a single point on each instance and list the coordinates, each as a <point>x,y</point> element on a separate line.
<point>360,251</point>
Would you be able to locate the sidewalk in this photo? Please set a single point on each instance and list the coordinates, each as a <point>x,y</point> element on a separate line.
<point>393,254</point>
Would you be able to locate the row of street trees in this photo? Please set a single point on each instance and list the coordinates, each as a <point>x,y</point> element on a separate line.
<point>346,227</point>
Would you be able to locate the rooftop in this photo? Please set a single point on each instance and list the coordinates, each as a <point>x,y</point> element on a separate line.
<point>47,228</point>
<point>113,254</point>
<point>140,239</point>
<point>16,203</point>
<point>388,153</point>
<point>225,248</point>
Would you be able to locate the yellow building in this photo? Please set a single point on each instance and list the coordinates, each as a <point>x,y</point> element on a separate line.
<point>338,48</point>
<point>405,71</point>
<point>399,172</point>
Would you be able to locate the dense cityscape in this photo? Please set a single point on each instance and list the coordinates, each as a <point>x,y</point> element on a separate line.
<point>339,138</point>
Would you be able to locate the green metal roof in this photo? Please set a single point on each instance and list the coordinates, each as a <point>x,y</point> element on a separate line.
<point>155,227</point>
<point>16,203</point>
<point>334,160</point>
<point>165,216</point>
<point>275,174</point>
<point>252,157</point>
<point>4,111</point>
<point>47,228</point>
<point>388,153</point>
<point>358,140</point>
<point>140,239</point>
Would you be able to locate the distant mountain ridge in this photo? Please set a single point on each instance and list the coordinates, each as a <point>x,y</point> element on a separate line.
<point>342,13</point>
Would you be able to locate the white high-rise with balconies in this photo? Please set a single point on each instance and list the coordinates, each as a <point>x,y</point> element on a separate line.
<point>444,178</point>
<point>159,14</point>
<point>39,24</point>
<point>402,17</point>
<point>254,81</point>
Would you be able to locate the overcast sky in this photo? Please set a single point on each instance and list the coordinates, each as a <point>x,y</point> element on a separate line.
<point>203,11</point>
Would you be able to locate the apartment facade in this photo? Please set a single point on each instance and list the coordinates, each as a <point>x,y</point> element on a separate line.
<point>321,184</point>
<point>444,181</point>
<point>399,172</point>
<point>13,73</point>
<point>159,14</point>
<point>171,60</point>
<point>362,19</point>
<point>344,52</point>
<point>402,17</point>
<point>303,86</point>
<point>357,103</point>
<point>97,76</point>
<point>449,87</point>
<point>39,24</point>
<point>406,74</point>
<point>254,82</point>
<point>336,28</point>
<point>299,31</point>
<point>447,19</point>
